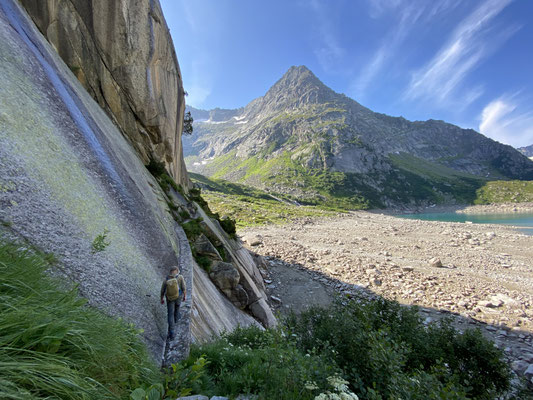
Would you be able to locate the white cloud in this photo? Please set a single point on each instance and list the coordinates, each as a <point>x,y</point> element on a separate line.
<point>468,45</point>
<point>408,13</point>
<point>503,121</point>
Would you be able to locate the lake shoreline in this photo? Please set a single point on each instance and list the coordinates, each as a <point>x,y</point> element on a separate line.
<point>479,274</point>
<point>497,208</point>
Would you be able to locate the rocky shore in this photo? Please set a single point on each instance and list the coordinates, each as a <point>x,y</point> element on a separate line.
<point>501,208</point>
<point>480,275</point>
<point>496,208</point>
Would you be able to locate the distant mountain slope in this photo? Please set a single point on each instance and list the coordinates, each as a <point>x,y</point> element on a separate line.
<point>527,151</point>
<point>305,140</point>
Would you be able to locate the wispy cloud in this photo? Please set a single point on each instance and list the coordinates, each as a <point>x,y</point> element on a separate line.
<point>472,41</point>
<point>503,120</point>
<point>408,15</point>
<point>329,50</point>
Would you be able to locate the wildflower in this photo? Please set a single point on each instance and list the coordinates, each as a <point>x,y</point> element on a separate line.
<point>309,385</point>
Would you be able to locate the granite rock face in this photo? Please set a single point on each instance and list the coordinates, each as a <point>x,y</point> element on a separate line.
<point>122,53</point>
<point>68,174</point>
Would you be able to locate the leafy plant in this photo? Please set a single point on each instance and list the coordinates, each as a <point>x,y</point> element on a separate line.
<point>204,262</point>
<point>228,225</point>
<point>181,381</point>
<point>156,168</point>
<point>193,229</point>
<point>99,243</point>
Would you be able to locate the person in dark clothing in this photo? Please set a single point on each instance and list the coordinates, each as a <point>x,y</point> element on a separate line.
<point>175,291</point>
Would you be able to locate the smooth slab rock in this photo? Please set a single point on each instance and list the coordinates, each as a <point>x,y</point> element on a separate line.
<point>212,312</point>
<point>122,53</point>
<point>67,174</point>
<point>205,248</point>
<point>72,175</point>
<point>250,277</point>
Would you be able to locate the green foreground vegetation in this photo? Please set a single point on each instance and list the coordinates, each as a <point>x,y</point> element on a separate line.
<point>54,346</point>
<point>381,350</point>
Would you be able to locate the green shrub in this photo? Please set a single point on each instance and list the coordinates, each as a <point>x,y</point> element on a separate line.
<point>54,346</point>
<point>228,225</point>
<point>167,182</point>
<point>253,361</point>
<point>184,214</point>
<point>204,262</point>
<point>381,345</point>
<point>156,168</point>
<point>193,229</point>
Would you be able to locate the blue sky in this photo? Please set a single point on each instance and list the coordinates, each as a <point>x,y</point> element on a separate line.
<point>468,62</point>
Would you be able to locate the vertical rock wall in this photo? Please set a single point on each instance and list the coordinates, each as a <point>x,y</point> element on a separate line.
<point>67,175</point>
<point>122,53</point>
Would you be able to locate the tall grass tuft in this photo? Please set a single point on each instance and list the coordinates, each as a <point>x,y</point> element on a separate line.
<point>52,345</point>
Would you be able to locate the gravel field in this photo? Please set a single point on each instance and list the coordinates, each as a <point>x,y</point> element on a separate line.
<point>481,275</point>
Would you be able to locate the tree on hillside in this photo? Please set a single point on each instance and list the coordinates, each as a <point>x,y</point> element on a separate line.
<point>187,123</point>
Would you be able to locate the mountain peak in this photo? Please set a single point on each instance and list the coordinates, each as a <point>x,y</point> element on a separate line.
<point>296,87</point>
<point>298,75</point>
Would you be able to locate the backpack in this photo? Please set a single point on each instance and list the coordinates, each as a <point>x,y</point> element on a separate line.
<point>173,289</point>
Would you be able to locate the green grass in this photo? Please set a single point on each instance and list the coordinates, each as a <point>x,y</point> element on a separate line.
<point>250,206</point>
<point>505,192</point>
<point>52,345</point>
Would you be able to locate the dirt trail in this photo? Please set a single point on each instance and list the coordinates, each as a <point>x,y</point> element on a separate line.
<point>482,275</point>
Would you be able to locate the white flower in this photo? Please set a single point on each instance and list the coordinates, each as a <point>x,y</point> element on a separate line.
<point>311,385</point>
<point>338,383</point>
<point>349,396</point>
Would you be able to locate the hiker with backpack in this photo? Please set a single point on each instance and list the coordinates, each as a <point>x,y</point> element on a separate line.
<point>173,289</point>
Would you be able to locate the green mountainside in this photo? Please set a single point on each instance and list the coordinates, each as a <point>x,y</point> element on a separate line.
<point>315,146</point>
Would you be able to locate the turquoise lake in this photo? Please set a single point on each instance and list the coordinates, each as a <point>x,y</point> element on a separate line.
<point>523,221</point>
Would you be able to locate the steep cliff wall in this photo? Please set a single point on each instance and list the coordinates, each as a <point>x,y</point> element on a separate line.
<point>68,175</point>
<point>122,53</point>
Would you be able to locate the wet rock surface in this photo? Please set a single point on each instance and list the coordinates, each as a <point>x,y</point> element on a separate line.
<point>484,278</point>
<point>122,54</point>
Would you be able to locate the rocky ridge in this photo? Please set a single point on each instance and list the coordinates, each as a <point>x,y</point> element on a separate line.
<point>527,151</point>
<point>301,128</point>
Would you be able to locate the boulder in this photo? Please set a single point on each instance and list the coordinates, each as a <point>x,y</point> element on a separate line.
<point>205,248</point>
<point>528,373</point>
<point>239,297</point>
<point>262,311</point>
<point>253,240</point>
<point>435,263</point>
<point>225,276</point>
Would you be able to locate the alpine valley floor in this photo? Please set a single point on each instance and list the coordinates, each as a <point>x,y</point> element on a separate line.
<point>485,281</point>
